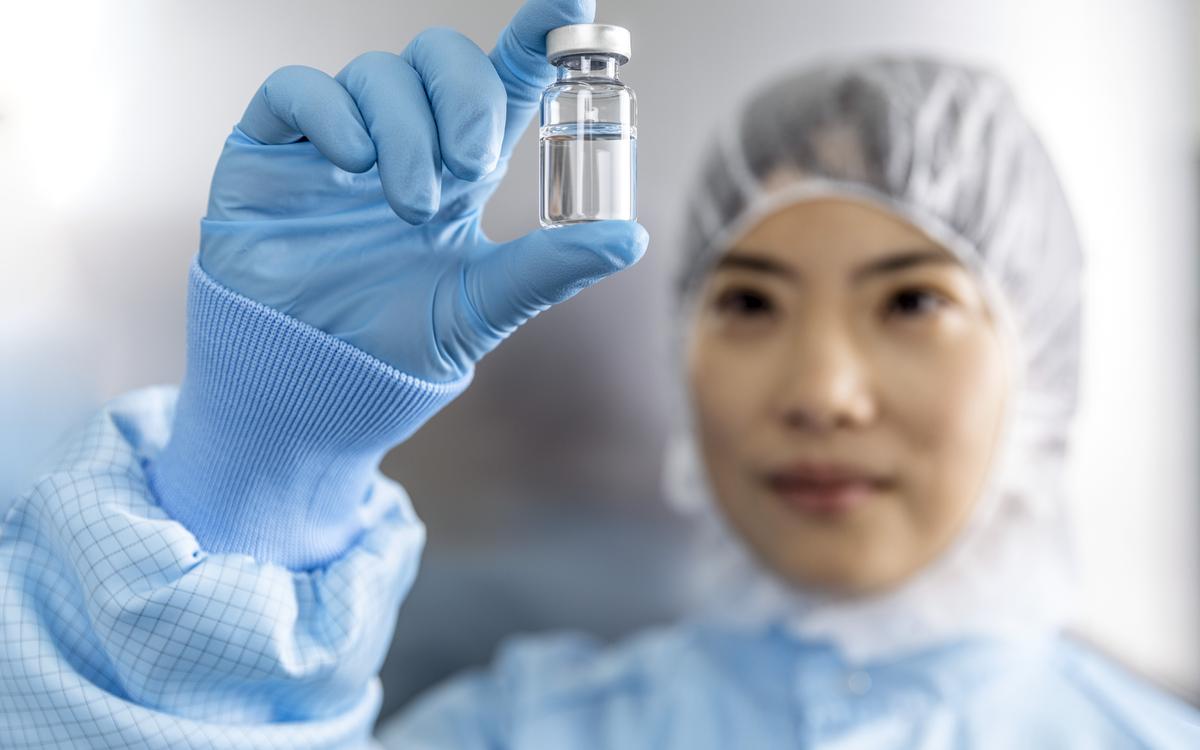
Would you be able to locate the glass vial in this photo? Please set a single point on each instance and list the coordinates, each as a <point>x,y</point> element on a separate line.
<point>588,132</point>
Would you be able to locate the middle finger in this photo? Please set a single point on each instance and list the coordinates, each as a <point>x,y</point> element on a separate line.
<point>393,104</point>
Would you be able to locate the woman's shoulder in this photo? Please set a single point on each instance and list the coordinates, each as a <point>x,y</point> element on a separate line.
<point>1146,713</point>
<point>565,689</point>
<point>558,665</point>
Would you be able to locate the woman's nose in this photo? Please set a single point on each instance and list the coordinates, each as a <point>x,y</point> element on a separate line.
<point>826,384</point>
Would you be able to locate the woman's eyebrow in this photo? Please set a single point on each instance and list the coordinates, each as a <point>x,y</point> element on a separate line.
<point>903,260</point>
<point>755,263</point>
<point>889,264</point>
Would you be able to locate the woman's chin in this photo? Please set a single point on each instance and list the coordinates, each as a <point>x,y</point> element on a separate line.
<point>851,574</point>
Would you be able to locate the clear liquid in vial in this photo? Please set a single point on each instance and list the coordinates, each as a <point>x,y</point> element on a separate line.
<point>589,172</point>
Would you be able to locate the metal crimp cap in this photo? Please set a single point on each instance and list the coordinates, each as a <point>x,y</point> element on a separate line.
<point>585,38</point>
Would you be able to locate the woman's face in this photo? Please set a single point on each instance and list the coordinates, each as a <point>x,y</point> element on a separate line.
<point>849,387</point>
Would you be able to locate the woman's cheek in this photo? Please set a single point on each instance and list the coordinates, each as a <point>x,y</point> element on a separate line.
<point>912,395</point>
<point>716,382</point>
<point>941,380</point>
<point>972,377</point>
<point>951,411</point>
<point>728,382</point>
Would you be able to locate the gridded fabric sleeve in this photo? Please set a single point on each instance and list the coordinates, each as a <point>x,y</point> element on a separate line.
<point>118,630</point>
<point>278,430</point>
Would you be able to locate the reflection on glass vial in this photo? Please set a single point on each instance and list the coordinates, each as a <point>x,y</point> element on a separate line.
<point>588,128</point>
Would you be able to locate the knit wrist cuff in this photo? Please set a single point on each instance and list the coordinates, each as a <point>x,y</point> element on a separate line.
<point>279,429</point>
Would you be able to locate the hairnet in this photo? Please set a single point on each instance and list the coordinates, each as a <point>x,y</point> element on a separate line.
<point>944,147</point>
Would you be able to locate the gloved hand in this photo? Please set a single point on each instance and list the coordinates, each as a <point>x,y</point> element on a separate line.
<point>353,203</point>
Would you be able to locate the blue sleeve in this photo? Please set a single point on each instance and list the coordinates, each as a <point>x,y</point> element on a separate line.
<point>148,600</point>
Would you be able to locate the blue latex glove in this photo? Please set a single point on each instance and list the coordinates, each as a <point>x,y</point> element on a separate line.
<point>353,203</point>
<point>352,206</point>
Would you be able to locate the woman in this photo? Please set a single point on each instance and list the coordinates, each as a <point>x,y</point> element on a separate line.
<point>879,314</point>
<point>879,332</point>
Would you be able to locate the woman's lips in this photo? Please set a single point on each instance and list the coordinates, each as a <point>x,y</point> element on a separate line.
<point>824,490</point>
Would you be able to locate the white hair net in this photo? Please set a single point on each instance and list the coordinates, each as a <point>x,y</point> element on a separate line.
<point>944,147</point>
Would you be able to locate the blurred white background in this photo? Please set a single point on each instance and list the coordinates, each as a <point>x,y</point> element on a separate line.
<point>541,484</point>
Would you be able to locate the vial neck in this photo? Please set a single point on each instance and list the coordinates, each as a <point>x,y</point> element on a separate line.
<point>591,66</point>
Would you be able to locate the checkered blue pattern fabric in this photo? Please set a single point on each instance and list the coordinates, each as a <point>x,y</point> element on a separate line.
<point>117,630</point>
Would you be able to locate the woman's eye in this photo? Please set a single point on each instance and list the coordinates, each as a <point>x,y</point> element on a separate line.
<point>743,302</point>
<point>915,302</point>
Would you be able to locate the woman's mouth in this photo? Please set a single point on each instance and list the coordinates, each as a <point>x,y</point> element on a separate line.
<point>825,490</point>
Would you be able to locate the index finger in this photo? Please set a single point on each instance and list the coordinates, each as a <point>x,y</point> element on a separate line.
<point>520,58</point>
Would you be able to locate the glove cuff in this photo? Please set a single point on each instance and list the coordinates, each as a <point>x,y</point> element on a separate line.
<point>279,429</point>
